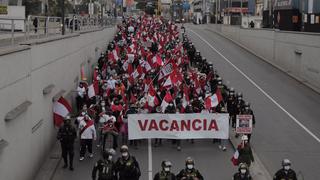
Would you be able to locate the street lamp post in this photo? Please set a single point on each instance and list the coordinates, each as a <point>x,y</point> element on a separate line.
<point>62,18</point>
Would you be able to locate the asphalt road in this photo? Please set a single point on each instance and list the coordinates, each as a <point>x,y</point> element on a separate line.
<point>277,100</point>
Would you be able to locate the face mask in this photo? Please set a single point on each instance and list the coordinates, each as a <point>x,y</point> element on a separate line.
<point>286,168</point>
<point>109,158</point>
<point>83,113</point>
<point>243,171</point>
<point>190,166</point>
<point>125,154</point>
<point>170,104</point>
<point>166,169</point>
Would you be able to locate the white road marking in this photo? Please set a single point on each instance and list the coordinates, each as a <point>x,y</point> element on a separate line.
<point>258,87</point>
<point>150,160</point>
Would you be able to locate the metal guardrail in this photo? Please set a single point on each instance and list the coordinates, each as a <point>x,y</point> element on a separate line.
<point>35,27</point>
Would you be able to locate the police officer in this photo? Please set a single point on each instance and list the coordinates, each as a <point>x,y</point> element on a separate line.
<point>189,173</point>
<point>105,167</point>
<point>165,173</point>
<point>191,53</point>
<point>243,173</point>
<point>286,172</point>
<point>67,134</point>
<point>248,111</point>
<point>127,167</point>
<point>232,107</point>
<point>198,59</point>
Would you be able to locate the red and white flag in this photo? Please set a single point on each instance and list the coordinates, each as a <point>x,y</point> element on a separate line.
<point>157,61</point>
<point>214,100</point>
<point>235,158</point>
<point>152,99</point>
<point>138,72</point>
<point>93,89</point>
<point>175,79</point>
<point>166,100</point>
<point>61,109</point>
<point>115,55</point>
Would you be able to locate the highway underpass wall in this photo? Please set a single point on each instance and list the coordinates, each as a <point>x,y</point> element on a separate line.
<point>296,53</point>
<point>26,71</point>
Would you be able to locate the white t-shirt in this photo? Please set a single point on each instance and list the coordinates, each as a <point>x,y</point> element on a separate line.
<point>88,133</point>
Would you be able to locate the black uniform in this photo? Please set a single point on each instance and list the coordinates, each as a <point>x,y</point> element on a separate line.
<point>232,109</point>
<point>239,176</point>
<point>128,169</point>
<point>162,175</point>
<point>67,134</point>
<point>285,175</point>
<point>106,170</point>
<point>189,174</point>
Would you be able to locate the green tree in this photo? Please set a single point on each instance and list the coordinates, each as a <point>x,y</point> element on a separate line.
<point>55,7</point>
<point>33,7</point>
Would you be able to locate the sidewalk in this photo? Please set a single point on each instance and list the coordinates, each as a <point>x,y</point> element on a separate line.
<point>257,169</point>
<point>50,164</point>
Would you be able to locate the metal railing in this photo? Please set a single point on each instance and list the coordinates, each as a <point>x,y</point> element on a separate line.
<point>35,27</point>
<point>8,28</point>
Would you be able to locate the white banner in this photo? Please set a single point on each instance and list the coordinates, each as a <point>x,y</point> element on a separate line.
<point>178,126</point>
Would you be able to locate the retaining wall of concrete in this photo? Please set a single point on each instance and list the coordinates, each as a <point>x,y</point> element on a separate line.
<point>296,53</point>
<point>25,71</point>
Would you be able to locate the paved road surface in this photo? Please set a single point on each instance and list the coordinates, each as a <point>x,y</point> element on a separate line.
<point>276,135</point>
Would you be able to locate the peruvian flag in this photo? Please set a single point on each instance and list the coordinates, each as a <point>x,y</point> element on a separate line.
<point>166,100</point>
<point>185,98</point>
<point>93,89</point>
<point>175,78</point>
<point>115,55</point>
<point>95,75</point>
<point>157,61</point>
<point>138,72</point>
<point>61,109</point>
<point>235,158</point>
<point>152,99</point>
<point>214,100</point>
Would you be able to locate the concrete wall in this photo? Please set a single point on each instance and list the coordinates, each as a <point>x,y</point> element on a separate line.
<point>23,76</point>
<point>293,52</point>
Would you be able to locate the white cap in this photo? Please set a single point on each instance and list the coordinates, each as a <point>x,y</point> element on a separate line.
<point>244,138</point>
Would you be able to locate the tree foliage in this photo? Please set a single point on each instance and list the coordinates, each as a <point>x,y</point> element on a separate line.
<point>33,7</point>
<point>55,7</point>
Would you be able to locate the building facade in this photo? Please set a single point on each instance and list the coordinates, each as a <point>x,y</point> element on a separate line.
<point>292,15</point>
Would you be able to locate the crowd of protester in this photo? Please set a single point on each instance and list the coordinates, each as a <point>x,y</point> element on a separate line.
<point>149,62</point>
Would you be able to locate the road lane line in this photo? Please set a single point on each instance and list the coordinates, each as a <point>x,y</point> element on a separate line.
<point>258,87</point>
<point>149,159</point>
